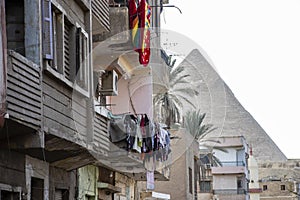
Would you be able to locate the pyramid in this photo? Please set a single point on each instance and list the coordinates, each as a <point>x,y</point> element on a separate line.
<point>225,112</point>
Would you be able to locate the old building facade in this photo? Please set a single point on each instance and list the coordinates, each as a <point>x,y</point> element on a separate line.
<point>224,170</point>
<point>54,138</point>
<point>279,180</point>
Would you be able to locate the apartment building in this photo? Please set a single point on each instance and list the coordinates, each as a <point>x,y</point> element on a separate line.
<point>226,177</point>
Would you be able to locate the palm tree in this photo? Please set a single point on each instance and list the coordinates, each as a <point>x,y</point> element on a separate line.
<point>169,103</point>
<point>193,122</point>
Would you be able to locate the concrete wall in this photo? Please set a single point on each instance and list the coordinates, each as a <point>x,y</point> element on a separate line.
<point>60,179</point>
<point>137,90</point>
<point>274,190</point>
<point>221,182</point>
<point>177,186</point>
<point>275,174</point>
<point>37,169</point>
<point>12,169</point>
<point>184,152</point>
<point>229,156</point>
<point>253,177</point>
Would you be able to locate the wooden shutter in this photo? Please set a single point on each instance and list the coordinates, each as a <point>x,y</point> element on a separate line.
<point>78,50</point>
<point>100,10</point>
<point>82,61</point>
<point>47,30</point>
<point>67,49</point>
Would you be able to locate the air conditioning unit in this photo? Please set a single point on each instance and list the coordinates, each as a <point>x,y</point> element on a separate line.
<point>109,83</point>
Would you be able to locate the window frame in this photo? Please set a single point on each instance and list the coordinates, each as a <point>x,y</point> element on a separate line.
<point>82,57</point>
<point>265,187</point>
<point>55,65</point>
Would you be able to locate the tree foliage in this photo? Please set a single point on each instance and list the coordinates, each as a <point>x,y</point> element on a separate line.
<point>170,103</point>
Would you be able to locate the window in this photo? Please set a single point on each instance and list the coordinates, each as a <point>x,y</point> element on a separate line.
<point>9,195</point>
<point>205,186</point>
<point>15,28</point>
<point>190,180</point>
<point>282,187</point>
<point>265,187</point>
<point>239,184</point>
<point>65,46</point>
<point>37,188</point>
<point>82,62</point>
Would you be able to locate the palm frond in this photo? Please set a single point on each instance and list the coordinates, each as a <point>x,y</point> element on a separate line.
<point>186,91</point>
<point>181,79</point>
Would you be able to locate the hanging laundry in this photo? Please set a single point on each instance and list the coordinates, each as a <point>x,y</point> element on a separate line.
<point>144,13</point>
<point>139,23</point>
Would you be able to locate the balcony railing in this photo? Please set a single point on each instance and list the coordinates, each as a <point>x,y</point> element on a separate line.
<point>232,163</point>
<point>230,191</point>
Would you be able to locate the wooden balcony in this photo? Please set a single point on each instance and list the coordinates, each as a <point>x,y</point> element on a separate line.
<point>100,11</point>
<point>24,92</point>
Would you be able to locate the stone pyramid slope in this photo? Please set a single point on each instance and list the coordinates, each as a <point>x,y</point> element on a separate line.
<point>225,112</point>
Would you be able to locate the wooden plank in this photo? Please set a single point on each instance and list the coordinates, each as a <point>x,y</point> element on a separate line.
<point>35,109</point>
<point>81,129</point>
<point>78,98</point>
<point>24,80</point>
<point>80,108</point>
<point>101,127</point>
<point>15,55</point>
<point>28,76</point>
<point>23,111</point>
<point>27,68</point>
<point>53,92</point>
<point>61,119</point>
<point>79,118</point>
<point>23,86</point>
<point>59,85</point>
<point>30,101</point>
<point>53,127</point>
<point>14,89</point>
<point>23,115</point>
<point>100,136</point>
<point>100,10</point>
<point>103,144</point>
<point>54,103</point>
<point>62,109</point>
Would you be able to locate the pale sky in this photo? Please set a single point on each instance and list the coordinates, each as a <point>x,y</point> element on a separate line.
<point>255,47</point>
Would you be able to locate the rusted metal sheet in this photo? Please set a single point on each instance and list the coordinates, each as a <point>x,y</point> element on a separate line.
<point>3,63</point>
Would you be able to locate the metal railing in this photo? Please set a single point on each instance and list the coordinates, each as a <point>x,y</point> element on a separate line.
<point>232,163</point>
<point>230,191</point>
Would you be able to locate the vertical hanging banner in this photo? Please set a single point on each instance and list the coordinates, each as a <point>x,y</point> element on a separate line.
<point>150,180</point>
<point>139,23</point>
